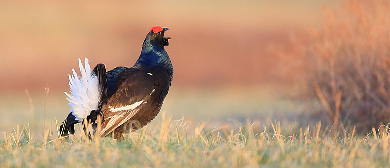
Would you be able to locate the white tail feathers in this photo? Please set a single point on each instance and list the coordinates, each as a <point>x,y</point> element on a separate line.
<point>84,89</point>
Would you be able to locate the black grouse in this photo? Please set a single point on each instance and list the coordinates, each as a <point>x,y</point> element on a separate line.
<point>124,97</point>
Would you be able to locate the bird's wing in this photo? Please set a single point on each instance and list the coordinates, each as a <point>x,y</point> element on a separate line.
<point>134,90</point>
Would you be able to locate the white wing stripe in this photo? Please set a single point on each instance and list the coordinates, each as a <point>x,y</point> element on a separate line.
<point>112,122</point>
<point>115,118</point>
<point>152,91</point>
<point>126,108</point>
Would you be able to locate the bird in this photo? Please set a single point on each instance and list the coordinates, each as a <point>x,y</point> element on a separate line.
<point>123,98</point>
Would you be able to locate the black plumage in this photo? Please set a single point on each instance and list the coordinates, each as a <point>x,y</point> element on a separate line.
<point>132,97</point>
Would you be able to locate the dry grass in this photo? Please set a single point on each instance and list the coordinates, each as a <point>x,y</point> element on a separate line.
<point>347,61</point>
<point>346,64</point>
<point>167,142</point>
<point>177,144</point>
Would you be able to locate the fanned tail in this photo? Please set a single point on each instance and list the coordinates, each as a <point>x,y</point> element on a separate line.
<point>87,95</point>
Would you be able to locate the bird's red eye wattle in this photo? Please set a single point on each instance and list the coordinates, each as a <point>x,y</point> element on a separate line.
<point>156,29</point>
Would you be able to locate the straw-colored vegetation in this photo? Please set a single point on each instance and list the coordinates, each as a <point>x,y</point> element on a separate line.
<point>175,144</point>
<point>348,64</point>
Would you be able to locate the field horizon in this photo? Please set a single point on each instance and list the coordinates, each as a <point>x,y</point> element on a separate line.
<point>256,83</point>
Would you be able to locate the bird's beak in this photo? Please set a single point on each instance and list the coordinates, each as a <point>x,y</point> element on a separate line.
<point>166,43</point>
<point>164,30</point>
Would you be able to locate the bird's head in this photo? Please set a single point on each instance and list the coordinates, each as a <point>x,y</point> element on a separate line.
<point>153,52</point>
<point>156,36</point>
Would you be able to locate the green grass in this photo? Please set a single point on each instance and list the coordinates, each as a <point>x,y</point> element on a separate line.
<point>217,127</point>
<point>182,144</point>
<point>222,128</point>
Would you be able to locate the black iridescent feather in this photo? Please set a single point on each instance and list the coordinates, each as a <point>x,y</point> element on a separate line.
<point>134,96</point>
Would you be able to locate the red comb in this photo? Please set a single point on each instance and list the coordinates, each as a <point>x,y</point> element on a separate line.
<point>156,29</point>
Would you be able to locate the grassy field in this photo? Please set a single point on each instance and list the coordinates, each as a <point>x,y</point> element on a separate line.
<point>227,106</point>
<point>177,143</point>
<point>220,128</point>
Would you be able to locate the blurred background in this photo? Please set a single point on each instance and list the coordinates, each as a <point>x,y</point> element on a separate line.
<point>227,55</point>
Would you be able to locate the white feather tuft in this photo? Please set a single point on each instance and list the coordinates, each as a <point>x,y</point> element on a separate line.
<point>84,89</point>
